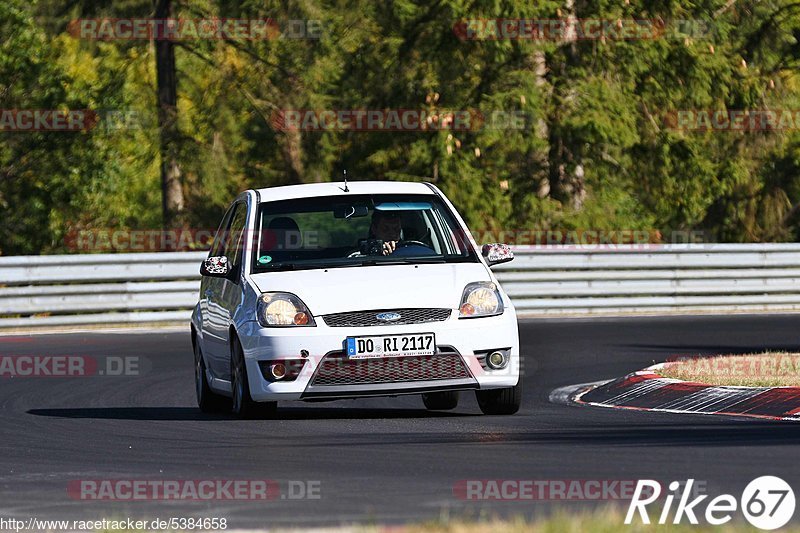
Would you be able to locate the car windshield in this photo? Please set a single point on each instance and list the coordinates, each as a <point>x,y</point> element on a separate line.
<point>357,230</point>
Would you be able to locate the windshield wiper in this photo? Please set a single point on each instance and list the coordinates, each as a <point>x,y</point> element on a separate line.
<point>408,261</point>
<point>278,267</point>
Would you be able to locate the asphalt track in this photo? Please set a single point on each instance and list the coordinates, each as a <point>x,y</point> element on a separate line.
<point>377,460</point>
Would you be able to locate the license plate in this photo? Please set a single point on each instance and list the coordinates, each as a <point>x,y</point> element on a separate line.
<point>390,346</point>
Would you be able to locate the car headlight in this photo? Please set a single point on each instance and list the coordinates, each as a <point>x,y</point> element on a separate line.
<point>480,299</point>
<point>283,309</point>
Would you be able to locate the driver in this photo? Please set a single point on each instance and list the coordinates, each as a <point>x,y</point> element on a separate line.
<point>386,226</point>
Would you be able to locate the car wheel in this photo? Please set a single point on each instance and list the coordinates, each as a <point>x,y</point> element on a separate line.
<point>440,401</point>
<point>207,400</point>
<point>243,404</point>
<point>500,401</point>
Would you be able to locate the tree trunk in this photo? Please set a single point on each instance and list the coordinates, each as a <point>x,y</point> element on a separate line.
<point>172,203</point>
<point>565,169</point>
<point>540,158</point>
<point>292,149</point>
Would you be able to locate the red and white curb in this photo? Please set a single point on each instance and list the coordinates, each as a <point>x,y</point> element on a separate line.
<point>648,391</point>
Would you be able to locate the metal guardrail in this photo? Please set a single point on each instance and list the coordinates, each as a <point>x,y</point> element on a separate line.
<point>111,289</point>
<point>713,278</point>
<point>117,289</point>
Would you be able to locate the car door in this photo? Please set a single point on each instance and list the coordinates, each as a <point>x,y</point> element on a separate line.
<point>206,282</point>
<point>225,294</point>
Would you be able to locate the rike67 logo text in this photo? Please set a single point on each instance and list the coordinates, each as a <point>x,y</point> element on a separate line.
<point>767,503</point>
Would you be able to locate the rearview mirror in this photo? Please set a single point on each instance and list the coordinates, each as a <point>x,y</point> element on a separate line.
<point>496,253</point>
<point>350,211</point>
<point>216,266</point>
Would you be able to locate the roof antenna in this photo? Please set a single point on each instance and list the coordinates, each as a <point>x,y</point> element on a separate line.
<point>346,188</point>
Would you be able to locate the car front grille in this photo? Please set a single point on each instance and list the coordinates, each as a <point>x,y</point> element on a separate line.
<point>336,369</point>
<point>369,318</point>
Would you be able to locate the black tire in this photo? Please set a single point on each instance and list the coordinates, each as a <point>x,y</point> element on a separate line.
<point>500,401</point>
<point>440,401</point>
<point>243,405</point>
<point>207,400</point>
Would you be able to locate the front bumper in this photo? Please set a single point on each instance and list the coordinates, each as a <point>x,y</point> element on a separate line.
<point>467,337</point>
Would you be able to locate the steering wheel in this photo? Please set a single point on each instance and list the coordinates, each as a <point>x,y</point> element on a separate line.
<point>411,242</point>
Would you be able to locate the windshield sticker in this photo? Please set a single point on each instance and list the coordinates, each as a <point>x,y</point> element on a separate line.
<point>264,259</point>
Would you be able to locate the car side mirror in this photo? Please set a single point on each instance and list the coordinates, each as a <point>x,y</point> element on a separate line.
<point>496,253</point>
<point>216,266</point>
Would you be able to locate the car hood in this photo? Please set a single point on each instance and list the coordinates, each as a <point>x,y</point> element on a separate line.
<point>360,288</point>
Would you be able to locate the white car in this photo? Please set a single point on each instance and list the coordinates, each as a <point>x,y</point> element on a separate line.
<point>333,290</point>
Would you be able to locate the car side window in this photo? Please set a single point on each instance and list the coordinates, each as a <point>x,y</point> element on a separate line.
<point>236,235</point>
<point>221,235</point>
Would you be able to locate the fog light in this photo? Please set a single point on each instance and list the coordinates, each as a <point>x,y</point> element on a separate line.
<point>281,369</point>
<point>496,360</point>
<point>278,371</point>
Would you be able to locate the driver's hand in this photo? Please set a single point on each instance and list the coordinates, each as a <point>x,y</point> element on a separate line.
<point>389,247</point>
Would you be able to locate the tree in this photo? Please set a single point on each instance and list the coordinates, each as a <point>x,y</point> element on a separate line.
<point>172,203</point>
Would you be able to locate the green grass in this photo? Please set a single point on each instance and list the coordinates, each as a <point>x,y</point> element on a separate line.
<point>773,369</point>
<point>606,520</point>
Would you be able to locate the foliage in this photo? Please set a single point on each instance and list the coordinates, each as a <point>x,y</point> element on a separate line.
<point>594,149</point>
